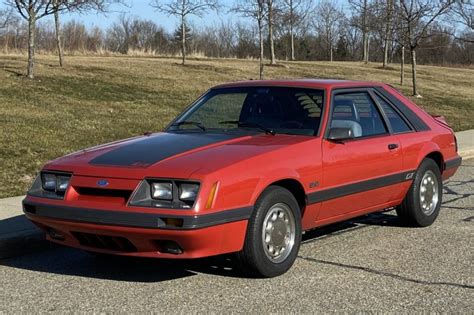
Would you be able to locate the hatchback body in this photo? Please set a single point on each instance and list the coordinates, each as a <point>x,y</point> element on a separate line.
<point>246,169</point>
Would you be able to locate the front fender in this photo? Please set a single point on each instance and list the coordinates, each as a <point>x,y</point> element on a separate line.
<point>275,176</point>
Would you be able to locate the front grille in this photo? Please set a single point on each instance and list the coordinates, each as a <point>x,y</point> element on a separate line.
<point>111,196</point>
<point>113,243</point>
<point>101,192</point>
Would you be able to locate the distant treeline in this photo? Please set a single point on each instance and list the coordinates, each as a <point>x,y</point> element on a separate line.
<point>135,36</point>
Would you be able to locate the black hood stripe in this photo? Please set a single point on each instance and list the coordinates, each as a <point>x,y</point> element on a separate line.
<point>150,150</point>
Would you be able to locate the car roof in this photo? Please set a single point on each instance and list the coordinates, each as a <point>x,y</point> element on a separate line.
<point>307,83</point>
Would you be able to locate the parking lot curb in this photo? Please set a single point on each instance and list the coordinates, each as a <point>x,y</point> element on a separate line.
<point>467,154</point>
<point>466,143</point>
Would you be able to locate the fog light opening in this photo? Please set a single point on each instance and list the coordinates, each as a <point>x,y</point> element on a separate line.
<point>29,208</point>
<point>174,222</point>
<point>56,235</point>
<point>169,247</point>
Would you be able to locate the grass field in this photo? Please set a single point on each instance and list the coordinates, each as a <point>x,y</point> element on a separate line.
<point>98,99</point>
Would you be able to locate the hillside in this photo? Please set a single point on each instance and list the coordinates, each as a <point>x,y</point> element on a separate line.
<point>99,99</point>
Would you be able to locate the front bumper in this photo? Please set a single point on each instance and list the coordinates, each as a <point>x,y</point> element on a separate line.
<point>141,234</point>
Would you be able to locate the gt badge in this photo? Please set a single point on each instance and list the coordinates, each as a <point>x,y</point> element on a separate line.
<point>313,184</point>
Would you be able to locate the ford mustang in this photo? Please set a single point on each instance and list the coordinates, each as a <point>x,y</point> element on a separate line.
<point>246,169</point>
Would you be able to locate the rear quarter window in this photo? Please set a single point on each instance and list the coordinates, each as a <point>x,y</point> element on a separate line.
<point>397,122</point>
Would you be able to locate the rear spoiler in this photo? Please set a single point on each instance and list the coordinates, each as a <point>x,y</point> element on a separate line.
<point>440,119</point>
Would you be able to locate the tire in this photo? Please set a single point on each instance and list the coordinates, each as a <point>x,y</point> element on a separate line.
<point>277,208</point>
<point>414,210</point>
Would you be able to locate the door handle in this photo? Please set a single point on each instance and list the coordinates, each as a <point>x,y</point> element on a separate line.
<point>392,146</point>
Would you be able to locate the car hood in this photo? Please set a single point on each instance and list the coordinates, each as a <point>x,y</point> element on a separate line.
<point>173,155</point>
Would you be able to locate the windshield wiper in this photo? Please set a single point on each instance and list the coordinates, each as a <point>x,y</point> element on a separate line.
<point>249,124</point>
<point>194,123</point>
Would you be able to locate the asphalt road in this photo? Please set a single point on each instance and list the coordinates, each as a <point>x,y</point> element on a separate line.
<point>368,264</point>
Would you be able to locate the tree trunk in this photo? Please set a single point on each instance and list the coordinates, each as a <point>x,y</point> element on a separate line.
<point>292,40</point>
<point>270,32</point>
<point>388,28</point>
<point>413,71</point>
<point>58,39</point>
<point>330,53</point>
<point>183,40</point>
<point>364,47</point>
<point>260,38</point>
<point>385,53</point>
<point>31,45</point>
<point>365,39</point>
<point>402,67</point>
<point>368,49</point>
<point>292,35</point>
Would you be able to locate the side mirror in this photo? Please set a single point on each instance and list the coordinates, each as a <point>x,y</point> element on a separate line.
<point>339,134</point>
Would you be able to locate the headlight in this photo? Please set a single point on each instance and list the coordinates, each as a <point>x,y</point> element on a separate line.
<point>62,182</point>
<point>50,184</point>
<point>55,182</point>
<point>48,181</point>
<point>165,193</point>
<point>162,190</point>
<point>188,192</point>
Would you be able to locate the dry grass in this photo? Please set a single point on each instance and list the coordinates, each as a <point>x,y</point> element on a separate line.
<point>98,99</point>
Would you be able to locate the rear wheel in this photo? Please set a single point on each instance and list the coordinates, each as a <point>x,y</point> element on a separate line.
<point>423,201</point>
<point>273,234</point>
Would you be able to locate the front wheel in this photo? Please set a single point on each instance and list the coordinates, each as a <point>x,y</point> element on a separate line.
<point>273,234</point>
<point>422,203</point>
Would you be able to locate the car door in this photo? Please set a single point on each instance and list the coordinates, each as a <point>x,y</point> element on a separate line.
<point>362,173</point>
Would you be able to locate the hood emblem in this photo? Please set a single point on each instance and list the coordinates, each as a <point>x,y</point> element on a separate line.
<point>102,183</point>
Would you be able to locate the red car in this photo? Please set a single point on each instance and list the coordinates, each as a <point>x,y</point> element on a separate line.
<point>247,168</point>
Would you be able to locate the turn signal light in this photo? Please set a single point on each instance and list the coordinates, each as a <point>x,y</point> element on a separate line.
<point>212,195</point>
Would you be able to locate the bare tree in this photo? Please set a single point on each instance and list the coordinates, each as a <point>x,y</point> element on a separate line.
<point>388,30</point>
<point>402,66</point>
<point>399,38</point>
<point>464,9</point>
<point>463,12</point>
<point>83,6</point>
<point>183,9</point>
<point>132,33</point>
<point>416,16</point>
<point>254,9</point>
<point>6,16</point>
<point>59,44</point>
<point>296,11</point>
<point>271,23</point>
<point>328,24</point>
<point>363,7</point>
<point>382,24</point>
<point>33,10</point>
<point>353,35</point>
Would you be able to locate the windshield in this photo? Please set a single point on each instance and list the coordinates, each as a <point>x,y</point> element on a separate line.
<point>264,109</point>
